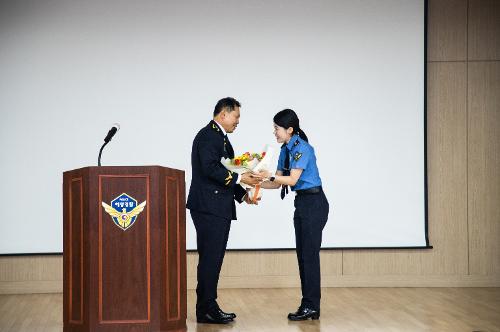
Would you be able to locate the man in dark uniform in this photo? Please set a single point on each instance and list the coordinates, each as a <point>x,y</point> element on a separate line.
<point>211,203</point>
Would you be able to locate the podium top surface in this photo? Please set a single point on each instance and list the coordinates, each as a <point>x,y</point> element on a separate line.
<point>112,169</point>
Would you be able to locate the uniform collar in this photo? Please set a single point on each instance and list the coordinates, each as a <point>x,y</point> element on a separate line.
<point>221,128</point>
<point>295,140</point>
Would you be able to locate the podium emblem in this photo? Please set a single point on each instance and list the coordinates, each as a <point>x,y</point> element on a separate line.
<point>124,210</point>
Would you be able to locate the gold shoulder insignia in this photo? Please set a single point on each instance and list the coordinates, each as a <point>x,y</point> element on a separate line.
<point>215,127</point>
<point>297,156</point>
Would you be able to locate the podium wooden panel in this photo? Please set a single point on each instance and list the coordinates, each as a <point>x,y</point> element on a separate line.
<point>124,280</point>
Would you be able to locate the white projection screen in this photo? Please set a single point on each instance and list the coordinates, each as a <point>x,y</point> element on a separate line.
<point>353,70</point>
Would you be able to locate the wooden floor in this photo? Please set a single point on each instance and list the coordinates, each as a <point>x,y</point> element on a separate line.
<point>343,309</point>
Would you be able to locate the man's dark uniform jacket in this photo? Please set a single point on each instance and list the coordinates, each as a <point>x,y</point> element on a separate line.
<point>213,187</point>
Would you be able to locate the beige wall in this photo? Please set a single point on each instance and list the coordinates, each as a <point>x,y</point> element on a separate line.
<point>463,171</point>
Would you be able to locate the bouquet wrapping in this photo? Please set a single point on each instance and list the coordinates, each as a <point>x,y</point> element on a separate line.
<point>251,162</point>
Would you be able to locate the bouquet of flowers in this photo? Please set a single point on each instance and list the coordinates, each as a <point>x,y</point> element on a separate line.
<point>251,162</point>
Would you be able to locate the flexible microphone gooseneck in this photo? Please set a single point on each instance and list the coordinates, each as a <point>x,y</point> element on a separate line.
<point>107,139</point>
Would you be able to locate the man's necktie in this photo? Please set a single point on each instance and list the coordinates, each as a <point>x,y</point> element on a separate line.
<point>286,172</point>
<point>228,147</point>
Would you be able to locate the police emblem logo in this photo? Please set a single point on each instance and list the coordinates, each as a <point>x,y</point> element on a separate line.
<point>297,156</point>
<point>124,210</point>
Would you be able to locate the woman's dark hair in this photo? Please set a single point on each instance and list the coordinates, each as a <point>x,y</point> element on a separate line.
<point>286,119</point>
<point>228,102</point>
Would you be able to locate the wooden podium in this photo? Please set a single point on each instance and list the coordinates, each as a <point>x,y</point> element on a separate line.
<point>124,249</point>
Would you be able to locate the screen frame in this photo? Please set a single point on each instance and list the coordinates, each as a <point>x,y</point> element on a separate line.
<point>426,207</point>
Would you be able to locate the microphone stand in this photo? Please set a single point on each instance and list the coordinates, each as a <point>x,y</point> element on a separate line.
<point>100,153</point>
<point>107,139</point>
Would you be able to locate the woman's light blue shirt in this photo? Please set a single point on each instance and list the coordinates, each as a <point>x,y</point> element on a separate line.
<point>301,157</point>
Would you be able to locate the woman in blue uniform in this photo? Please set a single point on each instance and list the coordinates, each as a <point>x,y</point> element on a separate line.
<point>297,168</point>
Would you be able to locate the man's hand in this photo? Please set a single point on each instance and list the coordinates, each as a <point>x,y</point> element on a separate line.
<point>249,201</point>
<point>251,178</point>
<point>265,174</point>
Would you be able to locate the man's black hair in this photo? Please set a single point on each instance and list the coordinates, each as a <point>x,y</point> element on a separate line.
<point>228,102</point>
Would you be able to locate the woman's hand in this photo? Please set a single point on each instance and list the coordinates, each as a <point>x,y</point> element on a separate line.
<point>280,179</point>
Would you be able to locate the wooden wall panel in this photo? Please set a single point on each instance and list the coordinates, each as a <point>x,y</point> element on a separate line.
<point>29,268</point>
<point>484,167</point>
<point>447,168</point>
<point>265,268</point>
<point>447,34</point>
<point>31,274</point>
<point>484,30</point>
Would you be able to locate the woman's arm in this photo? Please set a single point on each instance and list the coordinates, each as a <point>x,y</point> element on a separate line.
<point>291,180</point>
<point>268,184</point>
<point>280,179</point>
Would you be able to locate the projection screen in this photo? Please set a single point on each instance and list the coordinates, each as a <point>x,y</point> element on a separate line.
<point>353,70</point>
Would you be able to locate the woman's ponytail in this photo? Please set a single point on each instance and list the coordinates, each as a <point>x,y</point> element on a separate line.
<point>302,135</point>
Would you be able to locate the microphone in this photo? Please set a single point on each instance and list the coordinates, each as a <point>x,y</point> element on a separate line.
<point>107,139</point>
<point>112,132</point>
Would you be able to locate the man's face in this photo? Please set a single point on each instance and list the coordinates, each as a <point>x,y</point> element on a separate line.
<point>230,120</point>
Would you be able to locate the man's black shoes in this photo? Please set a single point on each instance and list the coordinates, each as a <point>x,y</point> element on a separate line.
<point>215,316</point>
<point>231,315</point>
<point>304,313</point>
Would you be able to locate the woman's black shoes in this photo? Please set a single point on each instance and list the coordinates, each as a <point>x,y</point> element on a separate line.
<point>304,313</point>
